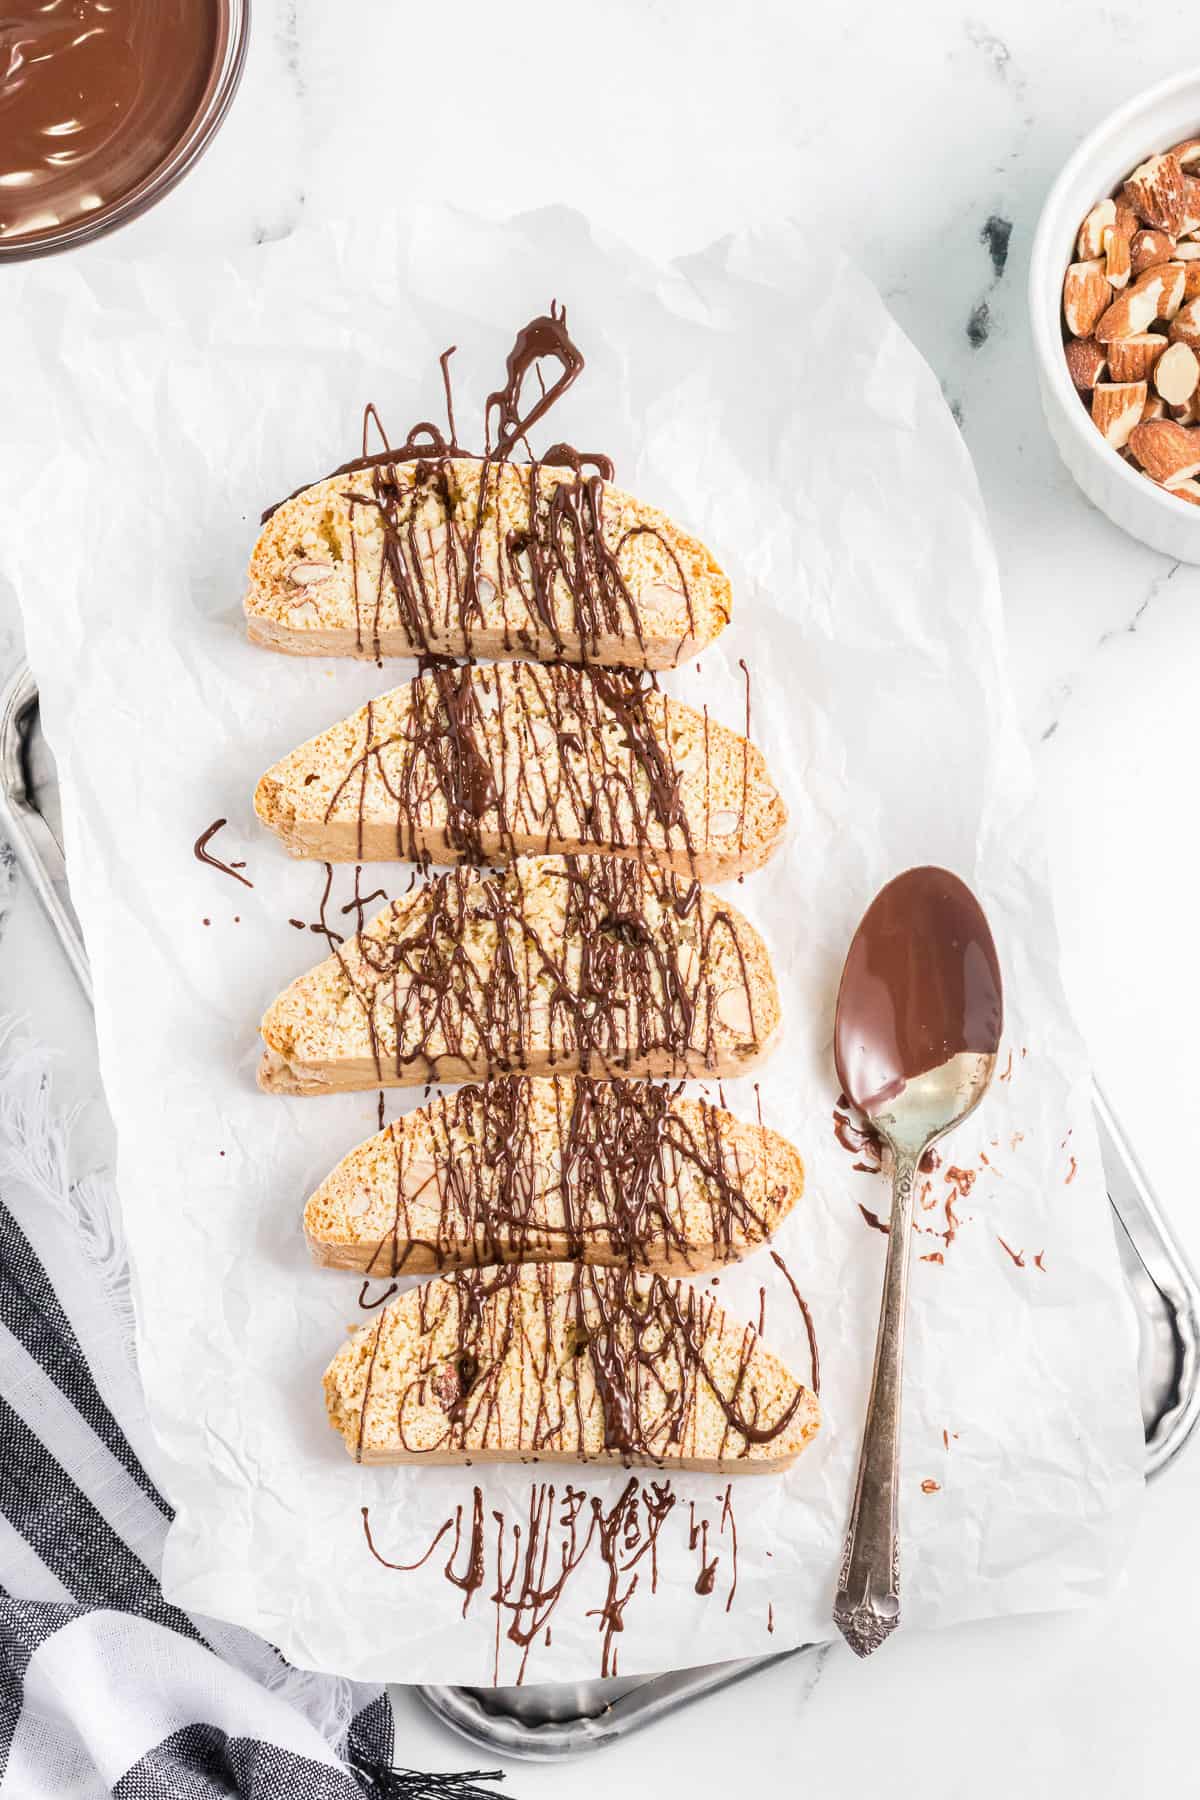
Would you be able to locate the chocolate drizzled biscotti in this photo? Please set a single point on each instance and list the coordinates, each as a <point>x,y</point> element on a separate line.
<point>463,556</point>
<point>566,1363</point>
<point>474,764</point>
<point>562,965</point>
<point>521,1170</point>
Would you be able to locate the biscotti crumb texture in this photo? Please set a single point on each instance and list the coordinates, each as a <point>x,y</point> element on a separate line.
<point>562,965</point>
<point>461,557</point>
<point>566,1363</point>
<point>479,764</point>
<point>521,1170</point>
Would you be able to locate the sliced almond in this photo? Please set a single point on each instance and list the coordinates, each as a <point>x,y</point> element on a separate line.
<point>1117,409</point>
<point>1176,374</point>
<point>1174,279</point>
<point>723,824</point>
<point>420,1179</point>
<point>1099,221</point>
<point>1188,490</point>
<point>1132,358</point>
<point>1132,311</point>
<point>1118,240</point>
<point>733,1010</point>
<point>1087,362</point>
<point>1155,192</point>
<point>1168,452</point>
<point>307,574</point>
<point>661,601</point>
<point>1148,248</point>
<point>1086,294</point>
<point>1185,326</point>
<point>1187,154</point>
<point>1191,281</point>
<point>1190,223</point>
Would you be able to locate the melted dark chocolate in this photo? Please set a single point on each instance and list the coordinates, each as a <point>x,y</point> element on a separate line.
<point>640,989</point>
<point>94,96</point>
<point>921,985</point>
<point>561,569</point>
<point>202,853</point>
<point>534,1557</point>
<point>644,1338</point>
<point>624,1160</point>
<point>614,783</point>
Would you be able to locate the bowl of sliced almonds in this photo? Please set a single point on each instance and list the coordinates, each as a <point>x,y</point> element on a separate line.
<point>1114,293</point>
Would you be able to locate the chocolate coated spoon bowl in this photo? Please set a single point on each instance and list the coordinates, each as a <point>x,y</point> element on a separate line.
<point>919,1015</point>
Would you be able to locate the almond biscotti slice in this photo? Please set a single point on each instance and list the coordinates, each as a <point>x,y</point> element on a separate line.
<point>560,965</point>
<point>566,1363</point>
<point>521,1170</point>
<point>474,764</point>
<point>463,556</point>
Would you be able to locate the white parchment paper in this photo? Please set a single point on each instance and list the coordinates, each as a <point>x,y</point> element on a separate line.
<point>765,398</point>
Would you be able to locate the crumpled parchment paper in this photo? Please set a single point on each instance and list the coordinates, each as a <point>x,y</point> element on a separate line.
<point>765,398</point>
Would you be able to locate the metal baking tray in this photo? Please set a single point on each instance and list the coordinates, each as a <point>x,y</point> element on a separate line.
<point>551,1720</point>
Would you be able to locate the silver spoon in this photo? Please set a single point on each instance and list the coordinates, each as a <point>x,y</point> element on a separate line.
<point>919,1016</point>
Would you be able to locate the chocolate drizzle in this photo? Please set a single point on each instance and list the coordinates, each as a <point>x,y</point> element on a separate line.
<point>431,500</point>
<point>605,964</point>
<point>202,853</point>
<point>628,1175</point>
<point>491,764</point>
<point>542,337</point>
<point>810,1328</point>
<point>536,1555</point>
<point>647,1344</point>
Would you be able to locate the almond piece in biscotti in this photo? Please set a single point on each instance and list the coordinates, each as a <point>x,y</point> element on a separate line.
<point>554,1362</point>
<point>1169,453</point>
<point>1087,362</point>
<point>1117,408</point>
<point>1133,358</point>
<point>1155,191</point>
<point>1086,294</point>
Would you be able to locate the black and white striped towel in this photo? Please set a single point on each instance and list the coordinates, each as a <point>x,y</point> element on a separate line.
<point>106,1689</point>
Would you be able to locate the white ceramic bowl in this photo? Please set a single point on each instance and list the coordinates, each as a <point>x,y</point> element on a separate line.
<point>1150,122</point>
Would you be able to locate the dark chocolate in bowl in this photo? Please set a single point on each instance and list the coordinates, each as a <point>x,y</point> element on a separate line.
<point>104,106</point>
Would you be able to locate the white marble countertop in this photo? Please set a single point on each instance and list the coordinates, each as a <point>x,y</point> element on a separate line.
<point>907,133</point>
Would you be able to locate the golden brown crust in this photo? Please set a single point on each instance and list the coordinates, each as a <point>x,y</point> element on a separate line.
<point>566,1363</point>
<point>561,965</point>
<point>488,763</point>
<point>322,577</point>
<point>521,1170</point>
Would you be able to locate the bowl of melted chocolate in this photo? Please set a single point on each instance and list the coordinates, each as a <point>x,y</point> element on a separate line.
<point>104,106</point>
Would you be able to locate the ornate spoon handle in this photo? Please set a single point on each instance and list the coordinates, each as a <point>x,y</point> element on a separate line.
<point>868,1601</point>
